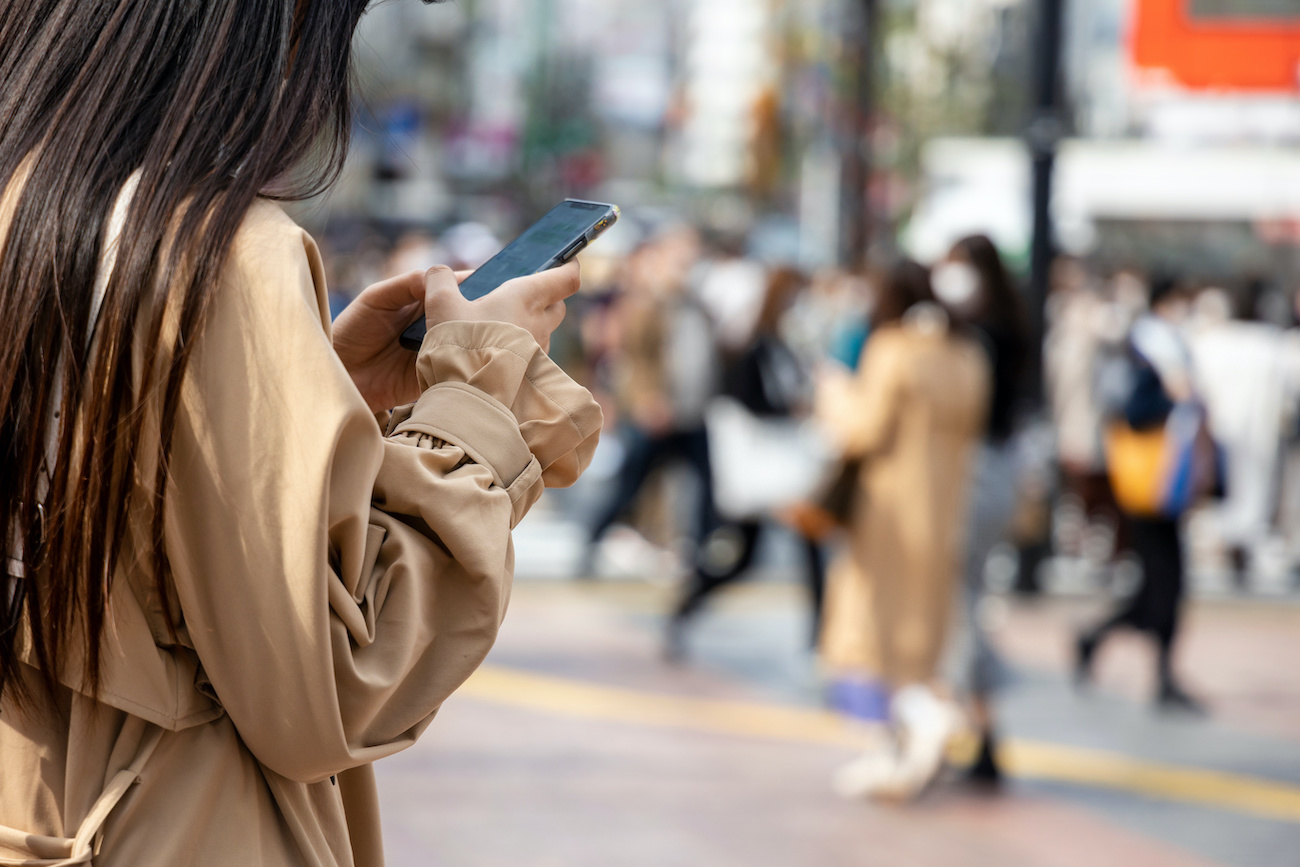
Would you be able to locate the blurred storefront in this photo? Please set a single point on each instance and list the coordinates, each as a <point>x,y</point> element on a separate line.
<point>1184,155</point>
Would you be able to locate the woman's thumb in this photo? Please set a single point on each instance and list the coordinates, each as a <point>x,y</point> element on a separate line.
<point>441,294</point>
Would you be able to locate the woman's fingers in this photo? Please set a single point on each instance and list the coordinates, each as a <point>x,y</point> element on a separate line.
<point>440,278</point>
<point>534,303</point>
<point>556,313</point>
<point>551,286</point>
<point>442,299</point>
<point>567,280</point>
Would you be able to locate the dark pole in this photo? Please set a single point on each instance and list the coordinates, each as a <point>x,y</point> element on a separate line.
<point>855,230</point>
<point>1042,136</point>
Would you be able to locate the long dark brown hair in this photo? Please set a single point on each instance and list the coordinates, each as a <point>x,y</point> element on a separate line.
<point>1000,307</point>
<point>902,284</point>
<point>212,102</point>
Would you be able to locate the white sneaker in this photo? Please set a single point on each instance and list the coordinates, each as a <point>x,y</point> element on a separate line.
<point>874,767</point>
<point>927,723</point>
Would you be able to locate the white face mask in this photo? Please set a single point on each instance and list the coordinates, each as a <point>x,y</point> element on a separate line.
<point>955,284</point>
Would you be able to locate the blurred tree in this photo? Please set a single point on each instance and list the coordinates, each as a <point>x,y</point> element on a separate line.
<point>949,67</point>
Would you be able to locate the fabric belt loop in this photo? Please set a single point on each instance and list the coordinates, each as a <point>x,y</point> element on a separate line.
<point>83,847</point>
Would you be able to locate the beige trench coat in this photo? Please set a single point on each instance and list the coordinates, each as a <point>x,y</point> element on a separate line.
<point>913,413</point>
<point>334,584</point>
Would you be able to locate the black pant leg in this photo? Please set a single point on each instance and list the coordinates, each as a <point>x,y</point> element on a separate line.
<point>644,452</point>
<point>1155,608</point>
<point>705,581</point>
<point>815,575</point>
<point>695,450</point>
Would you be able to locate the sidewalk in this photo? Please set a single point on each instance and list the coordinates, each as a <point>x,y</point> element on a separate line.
<point>577,746</point>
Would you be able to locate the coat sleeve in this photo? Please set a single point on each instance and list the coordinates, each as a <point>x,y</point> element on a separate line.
<point>866,424</point>
<point>338,582</point>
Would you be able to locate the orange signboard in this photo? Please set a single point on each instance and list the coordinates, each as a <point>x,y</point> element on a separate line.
<point>1220,50</point>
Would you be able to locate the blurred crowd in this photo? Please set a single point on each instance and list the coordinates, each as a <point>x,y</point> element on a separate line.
<point>898,428</point>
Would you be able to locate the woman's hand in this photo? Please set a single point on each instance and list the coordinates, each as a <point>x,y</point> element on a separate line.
<point>534,303</point>
<point>365,334</point>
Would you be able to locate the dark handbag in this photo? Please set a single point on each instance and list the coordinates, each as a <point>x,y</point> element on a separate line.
<point>822,517</point>
<point>840,498</point>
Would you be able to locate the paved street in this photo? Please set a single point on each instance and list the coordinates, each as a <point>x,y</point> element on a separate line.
<point>576,745</point>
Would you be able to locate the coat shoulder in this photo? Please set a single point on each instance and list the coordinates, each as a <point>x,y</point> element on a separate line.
<point>273,260</point>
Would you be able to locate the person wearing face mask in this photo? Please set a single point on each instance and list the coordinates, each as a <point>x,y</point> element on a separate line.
<point>911,415</point>
<point>973,285</point>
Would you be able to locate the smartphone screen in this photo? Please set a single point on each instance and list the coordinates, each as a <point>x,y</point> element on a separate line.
<point>551,241</point>
<point>546,240</point>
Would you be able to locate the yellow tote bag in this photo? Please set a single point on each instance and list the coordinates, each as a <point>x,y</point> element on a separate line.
<point>1138,465</point>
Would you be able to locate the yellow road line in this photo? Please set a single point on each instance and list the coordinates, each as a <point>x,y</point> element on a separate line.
<point>594,701</point>
<point>1026,759</point>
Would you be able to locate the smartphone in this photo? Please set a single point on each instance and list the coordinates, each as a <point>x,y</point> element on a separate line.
<point>550,242</point>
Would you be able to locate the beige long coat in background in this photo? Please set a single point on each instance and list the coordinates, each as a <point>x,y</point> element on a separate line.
<point>333,584</point>
<point>914,413</point>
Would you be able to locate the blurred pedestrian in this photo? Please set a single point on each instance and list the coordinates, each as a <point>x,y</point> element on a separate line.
<point>973,285</point>
<point>913,416</point>
<point>245,554</point>
<point>1242,376</point>
<point>665,370</point>
<point>1083,348</point>
<point>1162,380</point>
<point>770,381</point>
<point>732,288</point>
<point>1288,516</point>
<point>830,322</point>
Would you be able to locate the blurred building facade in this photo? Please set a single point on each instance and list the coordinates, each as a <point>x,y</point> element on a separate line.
<point>1181,124</point>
